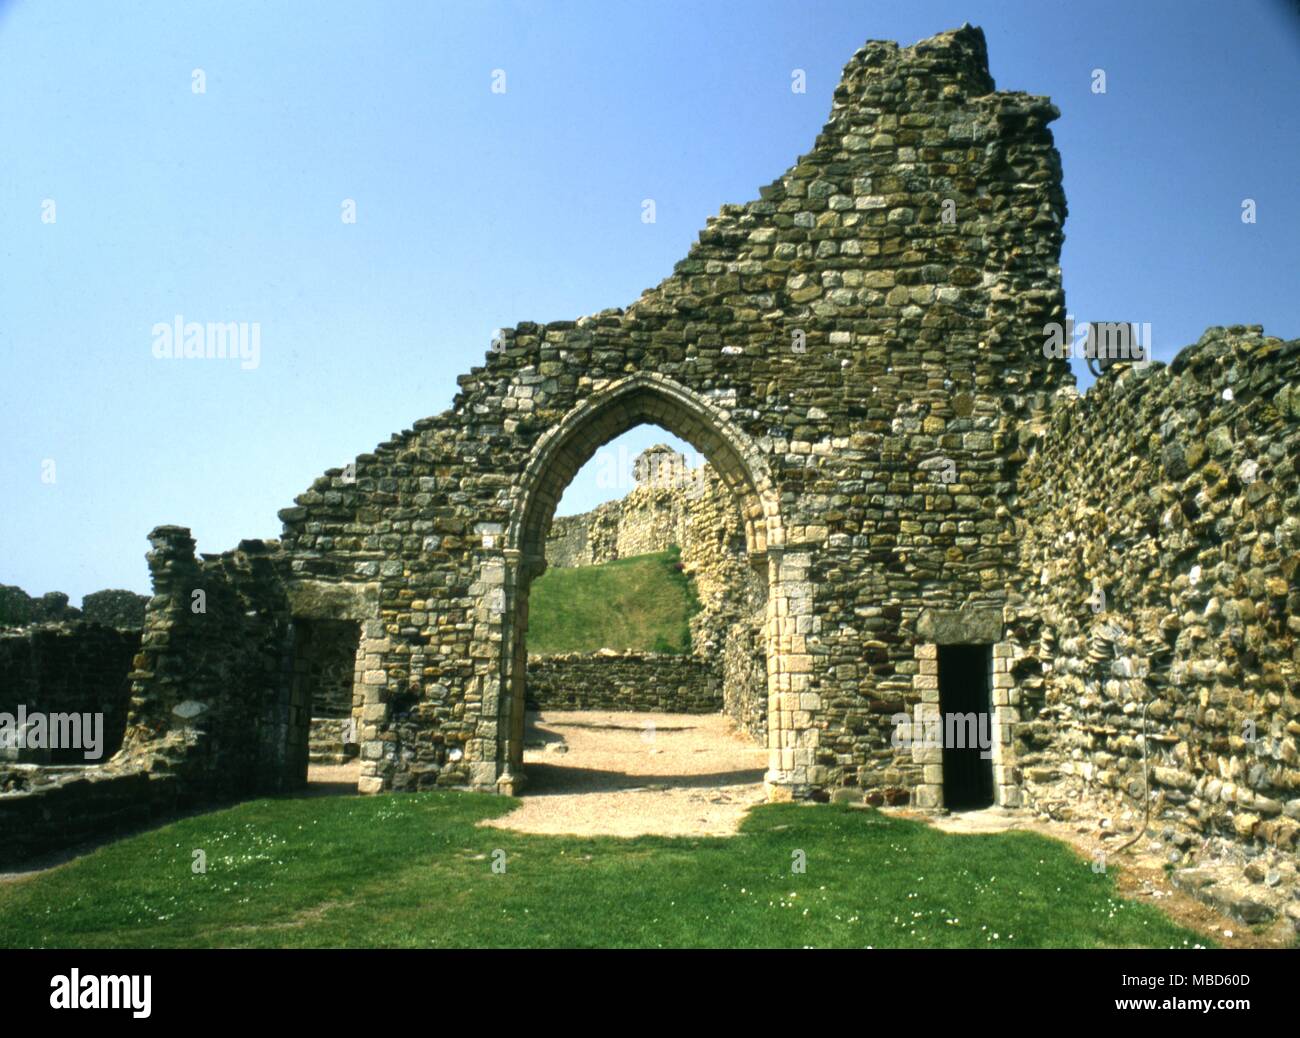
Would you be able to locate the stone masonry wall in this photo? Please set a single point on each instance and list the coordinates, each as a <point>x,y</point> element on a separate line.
<point>572,540</point>
<point>325,664</point>
<point>609,680</point>
<point>653,517</point>
<point>113,608</point>
<point>826,346</point>
<point>744,677</point>
<point>44,809</point>
<point>214,675</point>
<point>1172,492</point>
<point>205,695</point>
<point>17,608</point>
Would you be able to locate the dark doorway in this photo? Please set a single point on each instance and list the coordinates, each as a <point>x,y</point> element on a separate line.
<point>966,704</point>
<point>322,700</point>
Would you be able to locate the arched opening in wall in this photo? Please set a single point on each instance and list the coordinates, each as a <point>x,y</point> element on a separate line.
<point>671,576</point>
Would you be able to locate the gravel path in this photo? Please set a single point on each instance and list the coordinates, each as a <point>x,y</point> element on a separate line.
<point>613,773</point>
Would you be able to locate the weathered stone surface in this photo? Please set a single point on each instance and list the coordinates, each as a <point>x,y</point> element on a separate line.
<point>960,627</point>
<point>646,681</point>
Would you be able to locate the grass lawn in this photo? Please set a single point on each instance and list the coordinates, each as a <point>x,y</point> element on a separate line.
<point>644,602</point>
<point>413,871</point>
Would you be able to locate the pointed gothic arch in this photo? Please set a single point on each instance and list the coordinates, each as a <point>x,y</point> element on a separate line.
<point>553,462</point>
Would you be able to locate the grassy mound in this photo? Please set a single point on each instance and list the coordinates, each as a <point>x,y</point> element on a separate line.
<point>644,602</point>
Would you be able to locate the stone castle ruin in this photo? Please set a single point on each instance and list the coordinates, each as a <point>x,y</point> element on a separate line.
<point>936,521</point>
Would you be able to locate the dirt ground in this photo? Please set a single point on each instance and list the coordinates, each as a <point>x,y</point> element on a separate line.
<point>611,773</point>
<point>333,779</point>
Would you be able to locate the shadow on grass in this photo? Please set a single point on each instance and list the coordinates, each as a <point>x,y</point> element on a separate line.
<point>558,780</point>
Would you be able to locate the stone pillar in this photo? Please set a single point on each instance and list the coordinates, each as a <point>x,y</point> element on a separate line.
<point>373,684</point>
<point>1006,715</point>
<point>174,573</point>
<point>792,738</point>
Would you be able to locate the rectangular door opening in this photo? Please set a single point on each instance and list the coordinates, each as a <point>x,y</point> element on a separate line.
<point>323,704</point>
<point>966,706</point>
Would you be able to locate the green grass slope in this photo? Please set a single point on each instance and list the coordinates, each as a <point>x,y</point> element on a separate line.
<point>414,871</point>
<point>644,602</point>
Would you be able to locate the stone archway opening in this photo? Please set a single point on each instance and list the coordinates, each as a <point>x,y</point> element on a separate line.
<point>646,680</point>
<point>739,467</point>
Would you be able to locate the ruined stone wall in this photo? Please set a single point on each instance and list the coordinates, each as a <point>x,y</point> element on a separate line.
<point>824,346</point>
<point>46,809</point>
<point>715,558</point>
<point>212,683</point>
<point>75,667</point>
<point>333,741</point>
<point>591,538</point>
<point>1173,493</point>
<point>674,505</point>
<point>205,690</point>
<point>858,352</point>
<point>653,517</point>
<point>570,541</point>
<point>324,663</point>
<point>18,608</point>
<point>744,677</point>
<point>114,608</point>
<point>647,681</point>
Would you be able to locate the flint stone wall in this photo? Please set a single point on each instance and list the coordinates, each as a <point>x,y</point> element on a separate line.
<point>647,681</point>
<point>744,677</point>
<point>1174,492</point>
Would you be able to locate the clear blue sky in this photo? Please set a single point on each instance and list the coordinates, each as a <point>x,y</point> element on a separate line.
<point>477,210</point>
